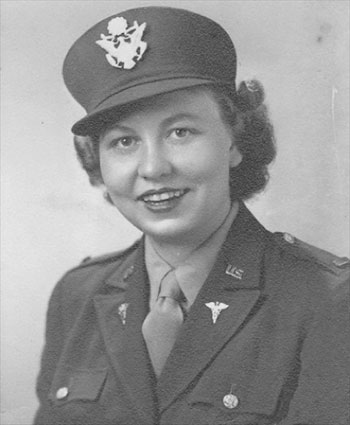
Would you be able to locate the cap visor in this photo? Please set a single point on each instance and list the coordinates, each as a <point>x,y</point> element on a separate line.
<point>106,110</point>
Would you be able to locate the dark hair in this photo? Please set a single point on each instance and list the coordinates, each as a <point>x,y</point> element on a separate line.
<point>244,112</point>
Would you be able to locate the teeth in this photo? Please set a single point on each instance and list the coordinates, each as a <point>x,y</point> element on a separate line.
<point>165,196</point>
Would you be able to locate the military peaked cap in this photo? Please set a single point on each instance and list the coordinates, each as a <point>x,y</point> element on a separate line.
<point>143,52</point>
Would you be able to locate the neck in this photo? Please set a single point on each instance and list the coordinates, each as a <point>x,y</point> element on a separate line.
<point>175,251</point>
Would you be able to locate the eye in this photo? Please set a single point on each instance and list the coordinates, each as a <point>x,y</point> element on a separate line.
<point>123,143</point>
<point>180,133</point>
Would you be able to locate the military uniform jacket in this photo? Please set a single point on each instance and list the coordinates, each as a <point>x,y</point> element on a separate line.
<point>279,349</point>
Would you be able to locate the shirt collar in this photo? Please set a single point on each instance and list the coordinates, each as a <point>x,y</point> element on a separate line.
<point>193,272</point>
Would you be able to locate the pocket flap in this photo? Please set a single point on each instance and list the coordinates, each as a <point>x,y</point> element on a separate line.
<point>69,385</point>
<point>230,397</point>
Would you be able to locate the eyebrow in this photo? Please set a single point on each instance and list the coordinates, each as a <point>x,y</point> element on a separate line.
<point>165,123</point>
<point>115,126</point>
<point>178,117</point>
<point>118,126</point>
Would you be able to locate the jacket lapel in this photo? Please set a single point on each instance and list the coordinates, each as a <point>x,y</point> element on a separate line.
<point>124,341</point>
<point>235,281</point>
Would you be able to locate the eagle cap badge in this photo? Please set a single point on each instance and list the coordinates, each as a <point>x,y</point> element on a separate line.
<point>124,45</point>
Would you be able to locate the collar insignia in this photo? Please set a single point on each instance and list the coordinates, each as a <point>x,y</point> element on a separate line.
<point>234,271</point>
<point>122,312</point>
<point>123,45</point>
<point>216,309</point>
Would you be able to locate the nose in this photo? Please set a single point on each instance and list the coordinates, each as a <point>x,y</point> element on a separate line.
<point>154,162</point>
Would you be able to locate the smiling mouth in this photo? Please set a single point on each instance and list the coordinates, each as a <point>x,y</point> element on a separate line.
<point>162,196</point>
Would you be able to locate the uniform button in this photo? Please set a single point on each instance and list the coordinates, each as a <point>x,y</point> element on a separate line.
<point>289,238</point>
<point>230,401</point>
<point>62,393</point>
<point>341,262</point>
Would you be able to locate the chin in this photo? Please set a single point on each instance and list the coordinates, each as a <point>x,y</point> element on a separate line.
<point>171,232</point>
<point>164,232</point>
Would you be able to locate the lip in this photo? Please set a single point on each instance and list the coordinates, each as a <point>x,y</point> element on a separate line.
<point>162,200</point>
<point>159,192</point>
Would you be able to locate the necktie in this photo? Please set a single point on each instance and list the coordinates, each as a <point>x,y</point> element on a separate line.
<point>162,324</point>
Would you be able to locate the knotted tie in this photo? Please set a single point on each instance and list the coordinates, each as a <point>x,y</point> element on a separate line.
<point>162,324</point>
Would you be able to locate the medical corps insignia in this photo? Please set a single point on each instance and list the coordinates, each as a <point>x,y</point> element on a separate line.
<point>216,309</point>
<point>123,45</point>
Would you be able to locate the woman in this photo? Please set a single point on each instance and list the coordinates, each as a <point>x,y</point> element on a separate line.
<point>209,318</point>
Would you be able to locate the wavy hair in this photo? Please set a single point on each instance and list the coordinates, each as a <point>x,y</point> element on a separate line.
<point>245,114</point>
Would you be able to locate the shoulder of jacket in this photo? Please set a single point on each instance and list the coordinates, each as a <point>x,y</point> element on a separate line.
<point>106,259</point>
<point>304,251</point>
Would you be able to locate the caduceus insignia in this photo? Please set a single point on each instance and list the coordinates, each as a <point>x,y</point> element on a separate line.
<point>124,46</point>
<point>122,312</point>
<point>216,308</point>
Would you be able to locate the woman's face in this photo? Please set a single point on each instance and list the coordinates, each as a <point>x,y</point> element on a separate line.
<point>166,166</point>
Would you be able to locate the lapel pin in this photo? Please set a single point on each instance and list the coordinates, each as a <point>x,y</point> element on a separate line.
<point>122,312</point>
<point>234,271</point>
<point>128,272</point>
<point>216,308</point>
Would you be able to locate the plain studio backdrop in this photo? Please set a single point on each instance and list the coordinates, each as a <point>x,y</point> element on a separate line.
<point>52,218</point>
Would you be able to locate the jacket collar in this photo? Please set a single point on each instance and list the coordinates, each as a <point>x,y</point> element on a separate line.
<point>245,237</point>
<point>242,253</point>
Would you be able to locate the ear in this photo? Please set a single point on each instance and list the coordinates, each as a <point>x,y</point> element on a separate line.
<point>235,156</point>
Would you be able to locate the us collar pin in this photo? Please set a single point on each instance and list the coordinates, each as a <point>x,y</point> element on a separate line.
<point>216,308</point>
<point>122,312</point>
<point>234,271</point>
<point>123,44</point>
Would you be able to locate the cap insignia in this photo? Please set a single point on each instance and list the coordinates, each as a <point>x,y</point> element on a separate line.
<point>123,45</point>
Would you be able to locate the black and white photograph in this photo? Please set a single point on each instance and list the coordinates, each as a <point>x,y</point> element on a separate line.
<point>175,212</point>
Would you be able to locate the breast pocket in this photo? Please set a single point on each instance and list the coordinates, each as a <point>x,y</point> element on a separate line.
<point>77,385</point>
<point>225,400</point>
